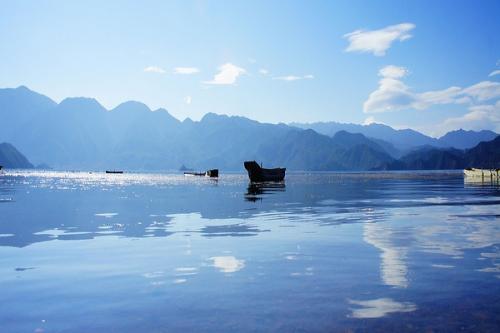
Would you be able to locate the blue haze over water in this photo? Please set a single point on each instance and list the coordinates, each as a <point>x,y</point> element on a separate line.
<point>90,252</point>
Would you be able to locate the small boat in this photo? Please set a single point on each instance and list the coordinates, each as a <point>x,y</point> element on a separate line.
<point>482,174</point>
<point>192,173</point>
<point>114,171</point>
<point>213,173</point>
<point>256,173</point>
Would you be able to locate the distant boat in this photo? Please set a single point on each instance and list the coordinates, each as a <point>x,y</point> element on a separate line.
<point>114,171</point>
<point>213,173</point>
<point>482,174</point>
<point>258,174</point>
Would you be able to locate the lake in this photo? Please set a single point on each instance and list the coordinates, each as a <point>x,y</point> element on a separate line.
<point>323,252</point>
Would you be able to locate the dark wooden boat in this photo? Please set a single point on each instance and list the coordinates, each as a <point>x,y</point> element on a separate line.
<point>258,174</point>
<point>213,173</point>
<point>114,171</point>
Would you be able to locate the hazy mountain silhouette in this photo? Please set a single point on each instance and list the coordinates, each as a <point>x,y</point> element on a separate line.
<point>465,139</point>
<point>484,155</point>
<point>79,133</point>
<point>401,139</point>
<point>11,158</point>
<point>309,150</point>
<point>404,139</point>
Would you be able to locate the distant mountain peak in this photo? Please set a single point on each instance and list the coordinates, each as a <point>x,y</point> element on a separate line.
<point>83,103</point>
<point>212,116</point>
<point>131,106</point>
<point>24,88</point>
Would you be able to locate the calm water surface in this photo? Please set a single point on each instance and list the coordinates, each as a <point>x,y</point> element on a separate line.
<point>84,252</point>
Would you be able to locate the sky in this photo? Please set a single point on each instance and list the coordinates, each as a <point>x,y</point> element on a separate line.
<point>433,66</point>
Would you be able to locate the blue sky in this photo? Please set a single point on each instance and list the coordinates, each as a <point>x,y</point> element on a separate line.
<point>427,65</point>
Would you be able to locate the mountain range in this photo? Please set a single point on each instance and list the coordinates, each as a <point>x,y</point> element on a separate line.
<point>403,139</point>
<point>79,133</point>
<point>10,157</point>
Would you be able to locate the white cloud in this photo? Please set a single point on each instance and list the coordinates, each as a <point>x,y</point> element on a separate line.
<point>495,72</point>
<point>294,77</point>
<point>263,71</point>
<point>449,95</point>
<point>393,94</point>
<point>378,41</point>
<point>228,73</point>
<point>188,100</point>
<point>479,117</point>
<point>484,90</point>
<point>186,70</point>
<point>394,72</point>
<point>154,69</point>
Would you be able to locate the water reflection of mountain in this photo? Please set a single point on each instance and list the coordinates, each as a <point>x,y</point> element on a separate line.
<point>39,208</point>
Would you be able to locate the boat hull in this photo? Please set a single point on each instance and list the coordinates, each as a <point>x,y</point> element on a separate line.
<point>482,174</point>
<point>213,173</point>
<point>258,174</point>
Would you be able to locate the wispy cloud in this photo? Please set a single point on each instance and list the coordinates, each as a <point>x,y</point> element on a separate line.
<point>378,41</point>
<point>495,72</point>
<point>393,94</point>
<point>186,70</point>
<point>294,77</point>
<point>478,117</point>
<point>188,100</point>
<point>484,90</point>
<point>228,74</point>
<point>154,69</point>
<point>263,71</point>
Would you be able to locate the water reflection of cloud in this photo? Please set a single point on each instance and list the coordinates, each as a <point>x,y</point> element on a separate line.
<point>393,268</point>
<point>185,271</point>
<point>106,215</point>
<point>153,275</point>
<point>227,264</point>
<point>380,307</point>
<point>475,228</point>
<point>442,266</point>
